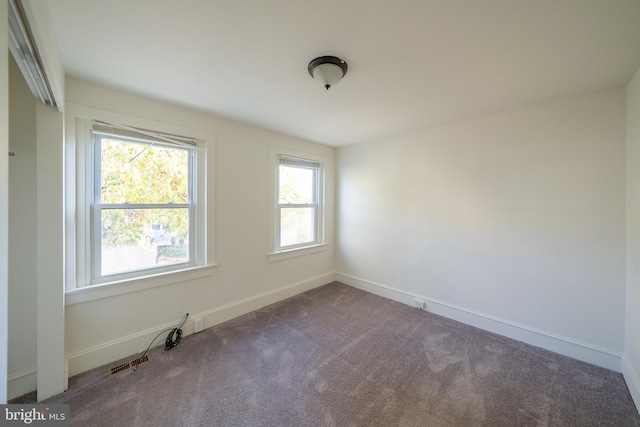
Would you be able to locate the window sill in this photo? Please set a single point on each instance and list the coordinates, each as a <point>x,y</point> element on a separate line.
<point>105,290</point>
<point>291,253</point>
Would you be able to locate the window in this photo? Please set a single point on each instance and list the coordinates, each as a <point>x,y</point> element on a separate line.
<point>297,202</point>
<point>140,207</point>
<point>298,180</point>
<point>143,207</point>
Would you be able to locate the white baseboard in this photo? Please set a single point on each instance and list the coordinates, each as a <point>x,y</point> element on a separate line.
<point>109,352</point>
<point>633,381</point>
<point>21,382</point>
<point>230,311</point>
<point>549,341</point>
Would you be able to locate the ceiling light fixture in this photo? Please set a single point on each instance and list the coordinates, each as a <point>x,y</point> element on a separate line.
<point>327,70</point>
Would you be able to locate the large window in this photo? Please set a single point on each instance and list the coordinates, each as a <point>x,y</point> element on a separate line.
<point>143,207</point>
<point>298,196</point>
<point>140,209</point>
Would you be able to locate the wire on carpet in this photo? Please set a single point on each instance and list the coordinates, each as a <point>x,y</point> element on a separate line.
<point>174,337</point>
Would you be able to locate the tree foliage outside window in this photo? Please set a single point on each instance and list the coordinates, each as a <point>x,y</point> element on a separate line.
<point>135,173</point>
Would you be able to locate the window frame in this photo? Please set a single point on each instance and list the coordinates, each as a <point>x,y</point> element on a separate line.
<point>79,188</point>
<point>276,251</point>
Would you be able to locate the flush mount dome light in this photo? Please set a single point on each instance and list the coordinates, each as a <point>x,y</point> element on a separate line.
<point>327,70</point>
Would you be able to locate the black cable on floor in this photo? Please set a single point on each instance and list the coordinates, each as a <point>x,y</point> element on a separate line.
<point>174,337</point>
<point>174,331</point>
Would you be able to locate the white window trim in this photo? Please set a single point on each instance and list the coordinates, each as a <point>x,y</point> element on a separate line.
<point>274,253</point>
<point>78,122</point>
<point>90,293</point>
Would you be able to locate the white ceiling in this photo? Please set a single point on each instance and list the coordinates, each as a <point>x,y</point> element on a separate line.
<point>412,63</point>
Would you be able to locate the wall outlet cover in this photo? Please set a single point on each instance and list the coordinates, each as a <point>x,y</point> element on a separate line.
<point>198,325</point>
<point>420,303</point>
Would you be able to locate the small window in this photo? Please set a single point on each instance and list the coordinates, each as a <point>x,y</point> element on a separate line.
<point>143,206</point>
<point>298,196</point>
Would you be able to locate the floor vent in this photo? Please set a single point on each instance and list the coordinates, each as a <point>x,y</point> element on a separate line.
<point>127,366</point>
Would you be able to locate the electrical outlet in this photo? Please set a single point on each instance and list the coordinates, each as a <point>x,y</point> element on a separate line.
<point>198,325</point>
<point>420,304</point>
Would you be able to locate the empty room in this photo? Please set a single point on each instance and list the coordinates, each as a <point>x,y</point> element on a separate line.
<point>360,213</point>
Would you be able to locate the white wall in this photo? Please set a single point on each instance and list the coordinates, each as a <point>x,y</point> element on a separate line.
<point>50,251</point>
<point>36,192</point>
<point>35,244</point>
<point>514,222</point>
<point>4,200</point>
<point>22,235</point>
<point>631,367</point>
<point>103,330</point>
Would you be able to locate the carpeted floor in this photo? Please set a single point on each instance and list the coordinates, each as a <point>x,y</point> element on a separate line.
<point>338,356</point>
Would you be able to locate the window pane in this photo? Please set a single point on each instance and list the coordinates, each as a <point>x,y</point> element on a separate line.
<point>297,225</point>
<point>134,239</point>
<point>297,185</point>
<point>133,172</point>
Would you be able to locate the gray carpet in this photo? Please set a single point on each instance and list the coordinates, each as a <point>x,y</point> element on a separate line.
<point>338,356</point>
